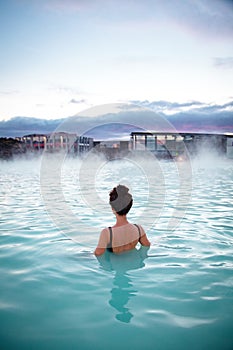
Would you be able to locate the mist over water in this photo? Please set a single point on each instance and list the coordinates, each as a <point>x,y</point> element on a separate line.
<point>79,186</point>
<point>209,159</point>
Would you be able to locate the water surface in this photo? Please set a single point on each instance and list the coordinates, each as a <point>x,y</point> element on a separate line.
<point>56,295</point>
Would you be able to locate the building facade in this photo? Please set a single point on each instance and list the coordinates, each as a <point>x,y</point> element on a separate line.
<point>58,141</point>
<point>163,145</point>
<point>230,147</point>
<point>170,145</point>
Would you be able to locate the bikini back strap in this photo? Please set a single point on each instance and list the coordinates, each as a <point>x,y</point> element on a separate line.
<point>110,243</point>
<point>139,231</point>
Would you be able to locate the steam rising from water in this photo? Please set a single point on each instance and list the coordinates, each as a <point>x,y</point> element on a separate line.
<point>95,176</point>
<point>75,190</point>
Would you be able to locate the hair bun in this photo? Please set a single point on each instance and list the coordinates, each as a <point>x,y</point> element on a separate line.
<point>122,190</point>
<point>120,199</point>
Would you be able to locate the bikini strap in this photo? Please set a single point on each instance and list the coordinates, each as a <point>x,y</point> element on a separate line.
<point>139,231</point>
<point>110,243</point>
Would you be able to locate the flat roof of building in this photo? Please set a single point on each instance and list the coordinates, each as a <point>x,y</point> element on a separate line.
<point>181,133</point>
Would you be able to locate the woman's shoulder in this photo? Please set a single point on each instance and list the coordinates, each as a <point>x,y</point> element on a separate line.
<point>105,229</point>
<point>137,225</point>
<point>140,228</point>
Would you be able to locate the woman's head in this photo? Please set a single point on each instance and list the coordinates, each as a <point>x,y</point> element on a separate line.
<point>120,200</point>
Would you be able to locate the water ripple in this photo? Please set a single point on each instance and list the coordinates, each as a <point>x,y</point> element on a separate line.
<point>54,291</point>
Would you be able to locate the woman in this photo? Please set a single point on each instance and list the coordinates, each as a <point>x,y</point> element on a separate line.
<point>123,236</point>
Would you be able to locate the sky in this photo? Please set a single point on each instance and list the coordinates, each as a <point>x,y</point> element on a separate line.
<point>60,57</point>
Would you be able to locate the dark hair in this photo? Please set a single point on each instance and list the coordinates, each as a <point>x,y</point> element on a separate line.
<point>120,199</point>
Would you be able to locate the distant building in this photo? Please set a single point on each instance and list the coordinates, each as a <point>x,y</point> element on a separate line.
<point>196,142</point>
<point>163,145</point>
<point>34,141</point>
<point>169,145</point>
<point>57,141</point>
<point>83,144</point>
<point>230,146</point>
<point>112,149</point>
<point>60,141</point>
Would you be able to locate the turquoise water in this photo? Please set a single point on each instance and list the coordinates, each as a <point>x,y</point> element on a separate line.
<point>56,295</point>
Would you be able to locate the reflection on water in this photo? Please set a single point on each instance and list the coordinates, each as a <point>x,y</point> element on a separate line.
<point>123,289</point>
<point>121,294</point>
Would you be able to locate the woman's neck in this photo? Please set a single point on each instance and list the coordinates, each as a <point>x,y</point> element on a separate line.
<point>121,220</point>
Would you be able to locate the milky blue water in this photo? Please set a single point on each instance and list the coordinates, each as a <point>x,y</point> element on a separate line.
<point>55,294</point>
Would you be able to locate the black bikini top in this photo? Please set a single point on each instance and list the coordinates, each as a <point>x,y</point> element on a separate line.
<point>109,247</point>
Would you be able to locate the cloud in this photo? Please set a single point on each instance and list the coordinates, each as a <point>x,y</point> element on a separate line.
<point>214,17</point>
<point>20,126</point>
<point>9,92</point>
<point>197,121</point>
<point>192,105</point>
<point>223,62</point>
<point>216,108</point>
<point>73,100</point>
<point>209,17</point>
<point>168,104</point>
<point>66,89</point>
<point>194,115</point>
<point>198,118</point>
<point>167,107</point>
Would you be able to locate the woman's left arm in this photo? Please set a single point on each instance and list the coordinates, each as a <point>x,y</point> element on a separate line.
<point>102,244</point>
<point>99,251</point>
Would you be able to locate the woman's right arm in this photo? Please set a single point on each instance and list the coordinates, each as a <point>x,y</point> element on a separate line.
<point>144,241</point>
